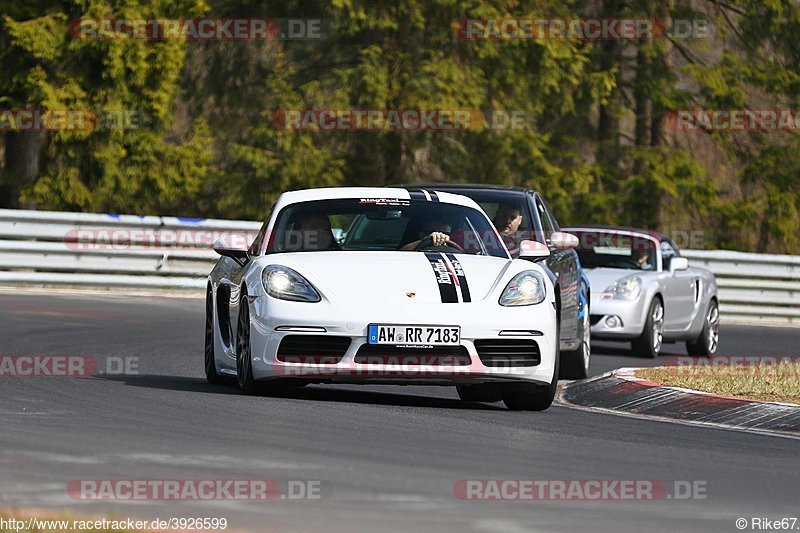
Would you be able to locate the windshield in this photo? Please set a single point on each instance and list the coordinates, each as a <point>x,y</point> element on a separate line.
<point>615,250</point>
<point>382,224</point>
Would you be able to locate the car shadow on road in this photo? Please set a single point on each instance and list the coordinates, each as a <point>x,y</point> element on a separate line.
<point>175,383</point>
<point>333,393</point>
<point>318,393</point>
<point>625,350</point>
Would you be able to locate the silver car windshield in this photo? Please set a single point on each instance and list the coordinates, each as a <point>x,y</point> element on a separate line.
<point>599,249</point>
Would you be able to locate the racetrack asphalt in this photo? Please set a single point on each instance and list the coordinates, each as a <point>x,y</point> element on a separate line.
<point>387,457</point>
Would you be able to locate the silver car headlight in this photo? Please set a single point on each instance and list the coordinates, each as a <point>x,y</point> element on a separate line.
<point>624,289</point>
<point>526,288</point>
<point>285,284</point>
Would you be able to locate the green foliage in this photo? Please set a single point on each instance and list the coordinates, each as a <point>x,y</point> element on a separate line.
<point>777,172</point>
<point>593,139</point>
<point>129,169</point>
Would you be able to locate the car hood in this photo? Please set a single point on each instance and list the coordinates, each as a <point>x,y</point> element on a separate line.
<point>389,276</point>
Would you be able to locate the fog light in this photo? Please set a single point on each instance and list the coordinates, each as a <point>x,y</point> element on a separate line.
<point>613,321</point>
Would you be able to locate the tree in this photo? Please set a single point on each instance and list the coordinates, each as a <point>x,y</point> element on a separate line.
<point>130,85</point>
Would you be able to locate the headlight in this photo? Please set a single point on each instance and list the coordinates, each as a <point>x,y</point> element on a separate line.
<point>526,288</point>
<point>286,284</point>
<point>624,289</point>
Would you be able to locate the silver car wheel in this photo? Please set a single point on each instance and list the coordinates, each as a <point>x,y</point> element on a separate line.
<point>658,327</point>
<point>587,340</point>
<point>713,328</point>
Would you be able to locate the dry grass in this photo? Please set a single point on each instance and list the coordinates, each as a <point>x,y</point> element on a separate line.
<point>767,382</point>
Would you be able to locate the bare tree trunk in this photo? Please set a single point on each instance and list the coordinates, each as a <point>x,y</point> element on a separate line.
<point>648,211</point>
<point>641,97</point>
<point>21,165</point>
<point>608,139</point>
<point>663,64</point>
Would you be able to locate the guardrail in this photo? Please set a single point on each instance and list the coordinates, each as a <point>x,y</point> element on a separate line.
<point>125,251</point>
<point>754,288</point>
<point>83,249</point>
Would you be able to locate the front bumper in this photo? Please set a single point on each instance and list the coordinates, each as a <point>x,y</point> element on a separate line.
<point>478,320</point>
<point>631,314</point>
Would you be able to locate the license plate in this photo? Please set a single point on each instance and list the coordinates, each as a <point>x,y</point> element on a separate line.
<point>401,335</point>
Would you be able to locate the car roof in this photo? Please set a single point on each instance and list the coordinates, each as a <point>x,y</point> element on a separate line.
<point>335,193</point>
<point>466,186</point>
<point>620,229</point>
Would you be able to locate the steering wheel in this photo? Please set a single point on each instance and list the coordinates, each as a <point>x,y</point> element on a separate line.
<point>427,242</point>
<point>627,263</point>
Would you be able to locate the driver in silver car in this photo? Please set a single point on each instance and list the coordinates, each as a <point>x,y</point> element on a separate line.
<point>644,260</point>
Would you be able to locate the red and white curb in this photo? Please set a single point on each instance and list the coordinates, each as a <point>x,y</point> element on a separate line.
<point>620,392</point>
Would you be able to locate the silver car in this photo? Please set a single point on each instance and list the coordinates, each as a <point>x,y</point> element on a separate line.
<point>645,292</point>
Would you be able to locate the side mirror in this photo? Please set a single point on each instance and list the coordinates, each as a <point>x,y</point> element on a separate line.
<point>533,250</point>
<point>233,246</point>
<point>678,263</point>
<point>563,241</point>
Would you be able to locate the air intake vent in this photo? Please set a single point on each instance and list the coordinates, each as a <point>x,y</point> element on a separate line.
<point>313,349</point>
<point>594,319</point>
<point>508,352</point>
<point>373,354</point>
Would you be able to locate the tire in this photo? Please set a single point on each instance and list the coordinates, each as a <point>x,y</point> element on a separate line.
<point>479,393</point>
<point>651,340</point>
<point>528,397</point>
<point>467,393</point>
<point>708,340</point>
<point>244,361</point>
<point>209,360</point>
<point>575,363</point>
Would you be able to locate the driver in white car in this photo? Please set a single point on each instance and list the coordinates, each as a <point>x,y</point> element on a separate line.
<point>436,230</point>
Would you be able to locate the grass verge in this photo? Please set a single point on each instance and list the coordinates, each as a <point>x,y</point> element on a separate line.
<point>766,382</point>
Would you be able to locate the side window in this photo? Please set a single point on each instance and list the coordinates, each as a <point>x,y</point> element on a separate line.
<point>258,243</point>
<point>667,253</point>
<point>255,248</point>
<point>553,221</point>
<point>547,222</point>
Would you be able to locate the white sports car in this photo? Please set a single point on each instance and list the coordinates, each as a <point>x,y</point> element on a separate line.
<point>377,285</point>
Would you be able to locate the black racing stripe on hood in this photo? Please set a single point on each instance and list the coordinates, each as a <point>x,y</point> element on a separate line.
<point>447,289</point>
<point>462,278</point>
